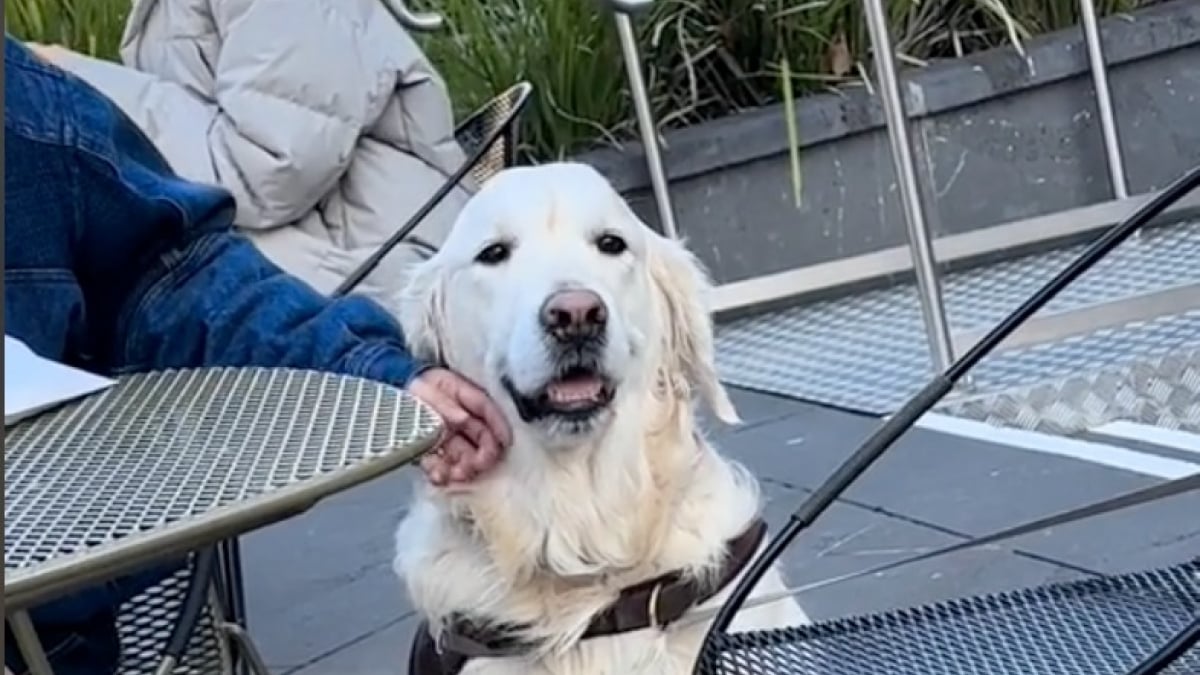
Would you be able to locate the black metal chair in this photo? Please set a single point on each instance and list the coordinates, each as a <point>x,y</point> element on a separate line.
<point>187,624</point>
<point>489,138</point>
<point>1136,624</point>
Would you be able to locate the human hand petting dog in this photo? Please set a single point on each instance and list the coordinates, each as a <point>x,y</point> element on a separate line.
<point>475,435</point>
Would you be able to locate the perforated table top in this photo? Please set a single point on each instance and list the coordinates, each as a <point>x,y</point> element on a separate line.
<point>169,461</point>
<point>1104,626</point>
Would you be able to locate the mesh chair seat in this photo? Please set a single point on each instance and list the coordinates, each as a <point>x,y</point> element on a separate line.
<point>1103,626</point>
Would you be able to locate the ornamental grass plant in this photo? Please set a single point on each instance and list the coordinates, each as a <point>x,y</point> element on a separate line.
<point>704,58</point>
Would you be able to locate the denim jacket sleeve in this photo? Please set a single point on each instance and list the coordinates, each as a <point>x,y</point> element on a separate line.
<point>218,302</point>
<point>164,280</point>
<point>213,299</point>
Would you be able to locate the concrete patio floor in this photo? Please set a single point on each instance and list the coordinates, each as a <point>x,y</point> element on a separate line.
<point>322,597</point>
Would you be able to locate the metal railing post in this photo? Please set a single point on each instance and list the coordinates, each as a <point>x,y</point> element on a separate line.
<point>645,117</point>
<point>919,242</point>
<point>1108,120</point>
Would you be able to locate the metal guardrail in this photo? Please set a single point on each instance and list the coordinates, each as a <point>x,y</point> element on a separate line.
<point>1108,120</point>
<point>645,118</point>
<point>924,262</point>
<point>623,12</point>
<point>920,239</point>
<point>933,309</point>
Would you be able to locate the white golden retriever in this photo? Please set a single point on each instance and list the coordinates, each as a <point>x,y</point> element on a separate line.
<point>591,331</point>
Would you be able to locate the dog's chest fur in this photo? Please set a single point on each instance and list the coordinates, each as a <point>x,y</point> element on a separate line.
<point>499,572</point>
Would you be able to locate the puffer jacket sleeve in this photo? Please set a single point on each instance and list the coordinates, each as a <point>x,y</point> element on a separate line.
<point>293,89</point>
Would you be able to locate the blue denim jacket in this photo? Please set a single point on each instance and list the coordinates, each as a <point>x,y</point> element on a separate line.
<point>115,265</point>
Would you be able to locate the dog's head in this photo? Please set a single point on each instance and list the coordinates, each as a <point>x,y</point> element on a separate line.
<point>551,294</point>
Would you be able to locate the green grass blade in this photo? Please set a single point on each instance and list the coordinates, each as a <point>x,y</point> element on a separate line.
<point>789,106</point>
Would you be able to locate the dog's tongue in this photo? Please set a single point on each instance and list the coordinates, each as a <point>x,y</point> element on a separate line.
<point>575,389</point>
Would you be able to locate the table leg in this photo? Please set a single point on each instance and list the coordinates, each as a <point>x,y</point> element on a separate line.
<point>231,571</point>
<point>29,644</point>
<point>246,646</point>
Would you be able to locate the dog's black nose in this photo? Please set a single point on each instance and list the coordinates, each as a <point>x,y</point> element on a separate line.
<point>574,315</point>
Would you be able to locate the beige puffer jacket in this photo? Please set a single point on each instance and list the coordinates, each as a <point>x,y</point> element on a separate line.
<point>322,117</point>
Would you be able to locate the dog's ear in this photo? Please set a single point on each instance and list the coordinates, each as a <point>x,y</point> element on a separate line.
<point>423,314</point>
<point>681,282</point>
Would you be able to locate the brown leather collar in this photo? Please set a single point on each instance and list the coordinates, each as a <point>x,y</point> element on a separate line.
<point>654,603</point>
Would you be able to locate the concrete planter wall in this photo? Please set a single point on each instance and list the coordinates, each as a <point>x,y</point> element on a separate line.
<point>998,138</point>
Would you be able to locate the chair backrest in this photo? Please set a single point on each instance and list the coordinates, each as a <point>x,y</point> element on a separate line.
<point>488,137</point>
<point>499,121</point>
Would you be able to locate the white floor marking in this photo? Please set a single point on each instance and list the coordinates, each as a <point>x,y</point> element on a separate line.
<point>1088,451</point>
<point>1168,438</point>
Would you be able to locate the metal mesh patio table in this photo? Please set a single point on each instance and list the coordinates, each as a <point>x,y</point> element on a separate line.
<point>165,463</point>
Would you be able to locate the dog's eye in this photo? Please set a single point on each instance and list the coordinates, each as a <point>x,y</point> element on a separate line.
<point>611,244</point>
<point>494,254</point>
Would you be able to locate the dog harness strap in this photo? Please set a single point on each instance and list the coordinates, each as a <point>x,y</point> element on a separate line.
<point>664,600</point>
<point>429,658</point>
<point>650,604</point>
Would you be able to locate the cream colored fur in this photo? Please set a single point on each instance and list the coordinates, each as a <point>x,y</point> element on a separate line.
<point>551,536</point>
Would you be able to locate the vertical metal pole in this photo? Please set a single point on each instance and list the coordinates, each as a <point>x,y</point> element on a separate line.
<point>919,242</point>
<point>645,119</point>
<point>1108,121</point>
<point>230,566</point>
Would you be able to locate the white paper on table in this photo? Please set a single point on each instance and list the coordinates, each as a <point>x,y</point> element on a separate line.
<point>33,384</point>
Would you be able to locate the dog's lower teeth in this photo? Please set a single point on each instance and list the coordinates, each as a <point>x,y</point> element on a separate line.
<point>577,391</point>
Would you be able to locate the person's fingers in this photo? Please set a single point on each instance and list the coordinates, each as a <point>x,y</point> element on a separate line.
<point>462,457</point>
<point>444,403</point>
<point>478,403</point>
<point>435,469</point>
<point>486,451</point>
<point>440,465</point>
<point>458,452</point>
<point>476,431</point>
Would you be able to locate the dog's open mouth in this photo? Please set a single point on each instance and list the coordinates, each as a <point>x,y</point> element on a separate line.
<point>576,393</point>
